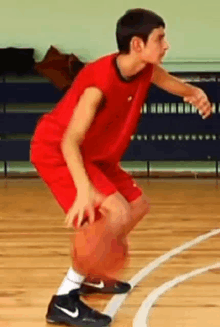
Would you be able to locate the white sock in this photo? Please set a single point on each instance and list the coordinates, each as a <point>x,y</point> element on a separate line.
<point>72,281</point>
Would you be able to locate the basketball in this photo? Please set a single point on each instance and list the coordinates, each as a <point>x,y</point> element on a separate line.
<point>97,252</point>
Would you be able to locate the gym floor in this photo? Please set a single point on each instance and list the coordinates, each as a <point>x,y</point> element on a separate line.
<point>34,256</point>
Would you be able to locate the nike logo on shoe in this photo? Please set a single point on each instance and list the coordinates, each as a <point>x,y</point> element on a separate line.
<point>69,313</point>
<point>100,285</point>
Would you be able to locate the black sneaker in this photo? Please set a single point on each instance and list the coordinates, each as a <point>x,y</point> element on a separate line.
<point>71,311</point>
<point>97,285</point>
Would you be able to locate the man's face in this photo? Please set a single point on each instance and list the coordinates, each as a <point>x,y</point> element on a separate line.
<point>156,47</point>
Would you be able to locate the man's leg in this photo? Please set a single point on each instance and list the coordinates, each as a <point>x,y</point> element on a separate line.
<point>138,202</point>
<point>66,306</point>
<point>139,208</point>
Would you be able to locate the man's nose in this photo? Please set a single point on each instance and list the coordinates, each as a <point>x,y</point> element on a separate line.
<point>166,45</point>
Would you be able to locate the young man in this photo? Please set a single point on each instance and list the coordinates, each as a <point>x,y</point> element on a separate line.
<point>77,148</point>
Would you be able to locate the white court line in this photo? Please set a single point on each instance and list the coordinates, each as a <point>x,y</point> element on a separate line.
<point>114,305</point>
<point>141,317</point>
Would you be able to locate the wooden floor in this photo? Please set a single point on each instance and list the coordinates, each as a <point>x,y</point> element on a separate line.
<point>34,254</point>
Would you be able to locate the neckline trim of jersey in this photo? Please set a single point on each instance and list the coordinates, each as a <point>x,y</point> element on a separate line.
<point>122,79</point>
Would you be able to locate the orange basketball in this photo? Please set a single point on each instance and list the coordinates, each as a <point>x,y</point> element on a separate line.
<point>97,252</point>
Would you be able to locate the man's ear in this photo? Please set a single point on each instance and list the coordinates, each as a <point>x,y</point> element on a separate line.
<point>137,44</point>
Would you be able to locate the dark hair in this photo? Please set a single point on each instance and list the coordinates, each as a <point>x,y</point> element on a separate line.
<point>136,22</point>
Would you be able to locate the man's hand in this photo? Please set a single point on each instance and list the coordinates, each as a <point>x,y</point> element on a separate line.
<point>200,100</point>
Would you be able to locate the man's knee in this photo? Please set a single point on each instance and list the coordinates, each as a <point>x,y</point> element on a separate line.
<point>140,206</point>
<point>146,205</point>
<point>118,211</point>
<point>116,203</point>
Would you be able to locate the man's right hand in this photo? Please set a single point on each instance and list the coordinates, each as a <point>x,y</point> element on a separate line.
<point>85,202</point>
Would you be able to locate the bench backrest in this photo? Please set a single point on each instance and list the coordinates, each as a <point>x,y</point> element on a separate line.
<point>164,131</point>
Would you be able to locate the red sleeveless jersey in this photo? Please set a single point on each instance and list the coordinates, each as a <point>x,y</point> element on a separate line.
<point>110,132</point>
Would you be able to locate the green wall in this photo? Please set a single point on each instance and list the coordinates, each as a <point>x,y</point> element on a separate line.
<point>87,28</point>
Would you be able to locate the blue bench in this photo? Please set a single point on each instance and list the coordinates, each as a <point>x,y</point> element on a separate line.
<point>13,147</point>
<point>163,133</point>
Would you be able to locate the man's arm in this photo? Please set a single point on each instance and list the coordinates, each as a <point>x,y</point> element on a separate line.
<point>171,84</point>
<point>176,86</point>
<point>74,135</point>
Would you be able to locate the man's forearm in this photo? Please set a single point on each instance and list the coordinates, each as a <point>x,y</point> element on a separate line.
<point>190,94</point>
<point>74,160</point>
<point>177,87</point>
<point>172,84</point>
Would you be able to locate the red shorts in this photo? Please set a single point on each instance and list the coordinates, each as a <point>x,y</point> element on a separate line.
<point>107,179</point>
<point>47,157</point>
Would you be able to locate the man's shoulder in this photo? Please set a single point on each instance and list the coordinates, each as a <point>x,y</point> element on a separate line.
<point>101,61</point>
<point>96,73</point>
<point>99,71</point>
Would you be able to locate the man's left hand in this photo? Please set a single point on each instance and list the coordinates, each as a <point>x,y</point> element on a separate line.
<point>200,100</point>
